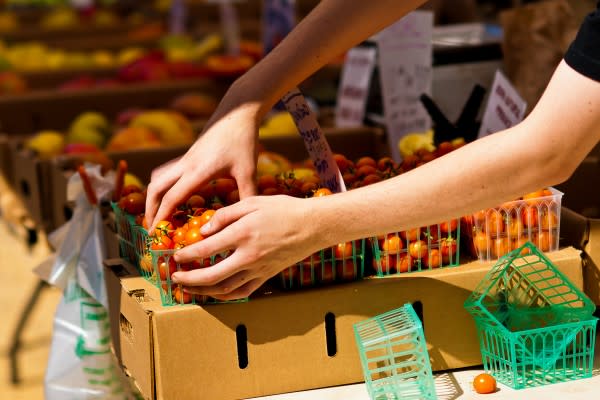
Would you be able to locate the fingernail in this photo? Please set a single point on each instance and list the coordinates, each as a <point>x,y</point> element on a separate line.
<point>175,278</point>
<point>205,228</point>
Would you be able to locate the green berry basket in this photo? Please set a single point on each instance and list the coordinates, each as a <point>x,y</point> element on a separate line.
<point>419,249</point>
<point>133,243</point>
<point>394,356</point>
<point>171,293</point>
<point>534,326</point>
<point>342,263</point>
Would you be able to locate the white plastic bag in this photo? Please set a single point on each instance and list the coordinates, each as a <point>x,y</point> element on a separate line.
<point>81,363</point>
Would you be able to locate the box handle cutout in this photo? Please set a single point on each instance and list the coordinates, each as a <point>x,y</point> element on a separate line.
<point>241,336</point>
<point>330,338</point>
<point>25,188</point>
<point>126,327</point>
<point>418,307</point>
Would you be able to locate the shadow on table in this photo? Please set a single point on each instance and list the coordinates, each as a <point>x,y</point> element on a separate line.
<point>447,387</point>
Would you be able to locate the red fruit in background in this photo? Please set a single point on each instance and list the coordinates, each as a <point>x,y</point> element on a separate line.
<point>385,163</point>
<point>184,69</point>
<point>78,83</point>
<point>342,162</point>
<point>223,186</point>
<point>133,203</point>
<point>409,162</point>
<point>228,66</point>
<point>271,191</point>
<point>12,83</point>
<point>365,170</point>
<point>128,189</point>
<point>370,179</point>
<point>78,148</point>
<point>266,181</point>
<point>251,49</point>
<point>195,201</point>
<point>366,161</point>
<point>444,148</point>
<point>349,178</point>
<point>233,197</point>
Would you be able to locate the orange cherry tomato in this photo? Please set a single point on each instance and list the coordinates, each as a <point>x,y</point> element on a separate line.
<point>392,244</point>
<point>193,235</point>
<point>322,192</point>
<point>484,384</point>
<point>343,250</point>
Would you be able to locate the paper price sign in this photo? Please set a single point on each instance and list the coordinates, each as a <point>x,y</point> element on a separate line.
<point>405,59</point>
<point>505,108</point>
<point>314,140</point>
<point>354,86</point>
<point>279,18</point>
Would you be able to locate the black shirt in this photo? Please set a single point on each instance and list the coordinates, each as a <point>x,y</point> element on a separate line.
<point>584,53</point>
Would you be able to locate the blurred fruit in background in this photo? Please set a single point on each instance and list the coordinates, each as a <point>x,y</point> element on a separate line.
<point>46,144</point>
<point>8,22</point>
<point>12,83</point>
<point>60,18</point>
<point>279,124</point>
<point>195,105</point>
<point>89,127</point>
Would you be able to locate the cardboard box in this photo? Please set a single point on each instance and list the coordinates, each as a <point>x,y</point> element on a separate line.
<point>279,342</point>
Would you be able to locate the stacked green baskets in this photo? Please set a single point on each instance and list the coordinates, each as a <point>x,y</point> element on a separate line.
<point>534,326</point>
<point>394,356</point>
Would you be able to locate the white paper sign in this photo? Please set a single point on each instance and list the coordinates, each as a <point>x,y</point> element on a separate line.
<point>354,86</point>
<point>314,140</point>
<point>405,59</point>
<point>505,108</point>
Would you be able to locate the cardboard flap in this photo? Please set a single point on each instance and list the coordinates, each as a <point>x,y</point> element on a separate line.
<point>591,262</point>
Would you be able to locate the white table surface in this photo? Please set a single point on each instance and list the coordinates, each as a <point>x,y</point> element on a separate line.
<point>458,385</point>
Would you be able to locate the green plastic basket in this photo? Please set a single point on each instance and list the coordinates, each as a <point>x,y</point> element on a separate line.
<point>334,264</point>
<point>394,356</point>
<point>534,326</point>
<point>133,243</point>
<point>171,293</point>
<point>392,255</point>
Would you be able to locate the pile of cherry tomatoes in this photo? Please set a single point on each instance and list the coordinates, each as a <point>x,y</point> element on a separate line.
<point>532,218</point>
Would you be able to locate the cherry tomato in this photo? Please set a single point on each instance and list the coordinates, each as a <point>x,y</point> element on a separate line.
<point>233,197</point>
<point>480,241</point>
<point>163,228</point>
<point>530,217</point>
<point>365,170</point>
<point>484,384</point>
<point>166,268</point>
<point>387,264</point>
<point>433,259</point>
<point>193,235</point>
<point>324,273</point>
<point>449,226</point>
<point>179,236</point>
<point>448,249</point>
<point>494,223</point>
<point>180,296</point>
<point>134,203</point>
<point>366,161</point>
<point>161,243</point>
<point>271,191</point>
<point>128,189</point>
<point>515,228</point>
<point>223,186</point>
<point>343,250</point>
<point>322,192</point>
<point>500,246</point>
<point>342,162</point>
<point>417,249</point>
<point>195,201</point>
<point>371,178</point>
<point>344,270</point>
<point>549,221</point>
<point>146,263</point>
<point>544,240</point>
<point>405,264</point>
<point>411,234</point>
<point>385,163</point>
<point>266,181</point>
<point>392,244</point>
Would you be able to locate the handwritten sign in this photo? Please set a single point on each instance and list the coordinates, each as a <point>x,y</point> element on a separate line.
<point>279,18</point>
<point>314,140</point>
<point>405,59</point>
<point>354,86</point>
<point>505,108</point>
<point>177,17</point>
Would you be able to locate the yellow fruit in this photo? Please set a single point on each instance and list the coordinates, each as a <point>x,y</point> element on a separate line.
<point>103,58</point>
<point>129,54</point>
<point>60,18</point>
<point>301,173</point>
<point>458,141</point>
<point>412,142</point>
<point>280,124</point>
<point>131,179</point>
<point>8,22</point>
<point>209,45</point>
<point>171,127</point>
<point>46,144</point>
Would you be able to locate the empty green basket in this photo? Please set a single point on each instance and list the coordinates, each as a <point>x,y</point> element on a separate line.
<point>534,326</point>
<point>394,356</point>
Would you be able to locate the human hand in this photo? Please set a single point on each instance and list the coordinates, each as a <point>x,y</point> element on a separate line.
<point>227,146</point>
<point>265,234</point>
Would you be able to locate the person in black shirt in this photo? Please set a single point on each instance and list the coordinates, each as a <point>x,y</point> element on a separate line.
<point>269,233</point>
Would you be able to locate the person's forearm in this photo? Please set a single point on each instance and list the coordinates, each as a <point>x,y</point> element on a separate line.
<point>330,29</point>
<point>542,151</point>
